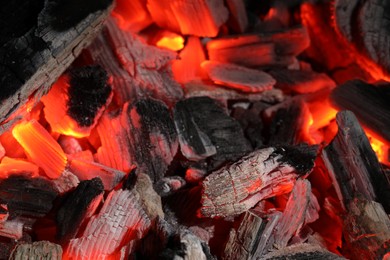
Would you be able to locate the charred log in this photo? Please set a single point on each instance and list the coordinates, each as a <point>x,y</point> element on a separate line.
<point>37,250</point>
<point>42,44</point>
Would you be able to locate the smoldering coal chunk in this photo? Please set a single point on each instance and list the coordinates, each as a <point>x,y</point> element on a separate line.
<point>369,102</point>
<point>130,180</point>
<point>206,130</point>
<point>88,92</point>
<point>72,212</point>
<point>301,156</point>
<point>25,196</point>
<point>61,15</point>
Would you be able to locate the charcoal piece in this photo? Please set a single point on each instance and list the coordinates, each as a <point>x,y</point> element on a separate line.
<point>66,182</point>
<point>299,81</point>
<point>251,121</point>
<point>138,70</point>
<point>368,33</point>
<point>78,205</point>
<point>125,216</point>
<point>238,19</point>
<point>168,185</point>
<point>37,250</point>
<point>206,130</point>
<point>145,137</point>
<point>88,92</point>
<point>286,125</point>
<point>238,77</point>
<point>27,197</point>
<point>62,14</point>
<point>363,219</point>
<point>244,240</point>
<point>154,136</point>
<point>359,183</point>
<point>353,164</point>
<point>302,208</point>
<point>262,174</point>
<point>368,102</point>
<point>34,55</point>
<point>130,180</point>
<point>302,252</point>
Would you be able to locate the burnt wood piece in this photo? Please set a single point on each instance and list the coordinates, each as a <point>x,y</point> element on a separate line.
<point>125,216</point>
<point>12,229</point>
<point>262,174</point>
<point>369,34</point>
<point>286,126</point>
<point>302,208</point>
<point>86,170</point>
<point>207,88</point>
<point>166,240</point>
<point>252,122</point>
<point>206,130</point>
<point>368,102</point>
<point>79,205</point>
<point>275,48</point>
<point>67,181</point>
<point>145,136</point>
<point>39,40</point>
<point>139,70</point>
<point>366,230</point>
<point>238,77</point>
<point>353,165</point>
<point>359,181</point>
<point>37,250</point>
<point>31,197</point>
<point>302,252</point>
<point>244,240</point>
<point>169,185</point>
<point>300,81</point>
<point>88,92</point>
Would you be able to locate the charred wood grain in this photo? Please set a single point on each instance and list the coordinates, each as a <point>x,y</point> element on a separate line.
<point>77,207</point>
<point>27,196</point>
<point>205,130</point>
<point>125,216</point>
<point>353,164</point>
<point>302,252</point>
<point>41,45</point>
<point>37,250</point>
<point>365,25</point>
<point>370,103</point>
<point>263,173</point>
<point>139,70</point>
<point>286,127</point>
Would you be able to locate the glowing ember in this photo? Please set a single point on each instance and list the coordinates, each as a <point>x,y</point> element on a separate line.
<point>41,147</point>
<point>10,166</point>
<point>171,41</point>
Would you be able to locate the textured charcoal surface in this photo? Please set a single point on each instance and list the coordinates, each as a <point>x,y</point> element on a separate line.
<point>25,196</point>
<point>301,157</point>
<point>64,14</point>
<point>130,180</point>
<point>199,116</point>
<point>370,103</point>
<point>88,92</point>
<point>73,210</point>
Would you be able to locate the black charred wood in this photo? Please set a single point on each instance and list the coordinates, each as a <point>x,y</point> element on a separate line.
<point>368,102</point>
<point>76,207</point>
<point>88,92</point>
<point>286,125</point>
<point>353,164</point>
<point>27,197</point>
<point>39,40</point>
<point>205,130</point>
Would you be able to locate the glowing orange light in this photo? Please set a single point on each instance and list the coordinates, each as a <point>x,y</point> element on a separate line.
<point>379,147</point>
<point>41,147</point>
<point>10,166</point>
<point>171,41</point>
<point>131,15</point>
